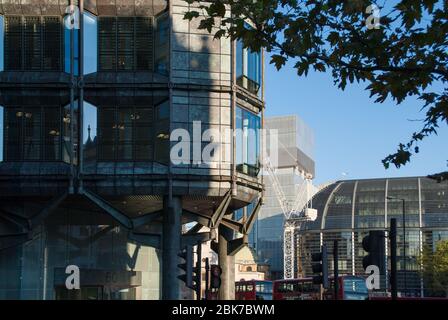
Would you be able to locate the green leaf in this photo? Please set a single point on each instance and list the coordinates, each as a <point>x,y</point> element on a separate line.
<point>278,60</point>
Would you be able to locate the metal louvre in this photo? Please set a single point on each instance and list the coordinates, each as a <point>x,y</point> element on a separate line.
<point>13,43</point>
<point>107,43</point>
<point>144,43</point>
<point>33,133</point>
<point>33,43</point>
<point>125,133</point>
<point>126,44</point>
<point>52,41</point>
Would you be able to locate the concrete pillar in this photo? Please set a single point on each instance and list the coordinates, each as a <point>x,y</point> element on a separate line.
<point>227,264</point>
<point>172,232</point>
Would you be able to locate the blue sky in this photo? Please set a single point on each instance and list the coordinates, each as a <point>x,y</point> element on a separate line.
<point>352,133</point>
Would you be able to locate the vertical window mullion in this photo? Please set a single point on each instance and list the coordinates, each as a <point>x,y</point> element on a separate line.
<point>134,53</point>
<point>41,36</point>
<point>133,138</point>
<point>22,142</point>
<point>42,134</point>
<point>116,134</point>
<point>153,36</point>
<point>61,133</point>
<point>22,35</point>
<point>116,43</point>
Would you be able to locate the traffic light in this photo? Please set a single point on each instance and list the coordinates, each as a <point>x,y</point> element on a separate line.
<point>319,265</point>
<point>374,244</point>
<point>215,276</point>
<point>187,266</point>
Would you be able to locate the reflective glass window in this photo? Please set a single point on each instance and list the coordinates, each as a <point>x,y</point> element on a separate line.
<point>162,45</point>
<point>51,133</point>
<point>66,129</point>
<point>68,33</point>
<point>248,67</point>
<point>90,118</point>
<point>32,133</point>
<point>90,43</point>
<point>247,142</point>
<point>126,43</point>
<point>125,133</point>
<point>90,47</point>
<point>33,43</point>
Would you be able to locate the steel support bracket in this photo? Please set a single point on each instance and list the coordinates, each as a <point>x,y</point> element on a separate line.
<point>195,229</point>
<point>146,239</point>
<point>16,219</point>
<point>193,239</point>
<point>221,210</point>
<point>233,225</point>
<point>199,218</point>
<point>12,240</point>
<point>54,203</point>
<point>251,220</point>
<point>236,245</point>
<point>119,216</point>
<point>146,218</point>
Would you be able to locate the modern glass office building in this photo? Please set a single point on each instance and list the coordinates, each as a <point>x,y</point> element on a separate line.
<point>90,98</point>
<point>348,210</point>
<point>295,162</point>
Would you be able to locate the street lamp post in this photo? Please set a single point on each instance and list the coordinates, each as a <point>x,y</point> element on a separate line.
<point>404,239</point>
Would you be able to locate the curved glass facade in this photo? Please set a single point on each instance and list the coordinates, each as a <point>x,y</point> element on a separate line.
<point>348,210</point>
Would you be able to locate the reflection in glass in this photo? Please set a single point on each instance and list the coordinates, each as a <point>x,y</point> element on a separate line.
<point>51,133</point>
<point>66,125</point>
<point>67,46</point>
<point>89,132</point>
<point>90,43</point>
<point>125,133</point>
<point>247,142</point>
<point>90,47</point>
<point>248,67</point>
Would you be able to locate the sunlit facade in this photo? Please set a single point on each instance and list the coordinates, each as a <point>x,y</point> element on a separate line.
<point>347,210</point>
<point>295,162</point>
<point>88,104</point>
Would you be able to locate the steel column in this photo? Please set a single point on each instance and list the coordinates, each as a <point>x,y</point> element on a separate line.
<point>172,231</point>
<point>223,257</point>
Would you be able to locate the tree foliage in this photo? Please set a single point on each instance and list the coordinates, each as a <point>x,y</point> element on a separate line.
<point>406,56</point>
<point>435,268</point>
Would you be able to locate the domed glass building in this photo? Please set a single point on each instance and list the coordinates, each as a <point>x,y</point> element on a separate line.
<point>348,210</point>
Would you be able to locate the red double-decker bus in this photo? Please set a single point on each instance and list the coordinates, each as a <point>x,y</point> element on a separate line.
<point>350,288</point>
<point>253,290</point>
<point>295,289</point>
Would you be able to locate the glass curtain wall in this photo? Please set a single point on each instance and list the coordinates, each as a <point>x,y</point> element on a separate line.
<point>247,142</point>
<point>248,68</point>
